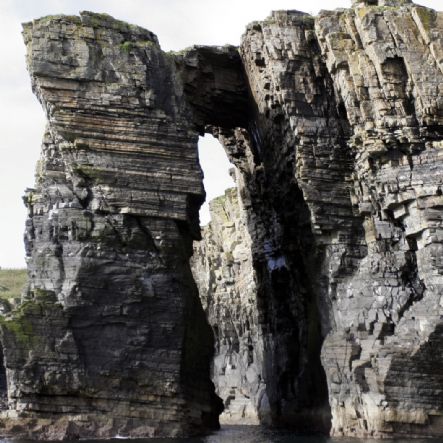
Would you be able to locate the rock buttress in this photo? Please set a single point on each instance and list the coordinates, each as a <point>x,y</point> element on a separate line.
<point>110,338</point>
<point>294,162</point>
<point>384,357</point>
<point>223,271</point>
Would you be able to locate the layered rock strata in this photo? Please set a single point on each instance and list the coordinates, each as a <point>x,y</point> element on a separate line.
<point>342,178</point>
<point>225,277</point>
<point>327,295</point>
<point>111,338</point>
<point>382,360</point>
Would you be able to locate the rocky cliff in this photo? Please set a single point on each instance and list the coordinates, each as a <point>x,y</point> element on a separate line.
<point>321,275</point>
<point>111,323</point>
<point>223,270</point>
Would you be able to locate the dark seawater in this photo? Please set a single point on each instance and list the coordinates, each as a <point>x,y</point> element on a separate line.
<point>250,434</point>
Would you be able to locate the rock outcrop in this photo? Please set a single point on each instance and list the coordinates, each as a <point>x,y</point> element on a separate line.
<point>342,172</point>
<point>111,332</point>
<point>382,359</point>
<point>225,277</point>
<point>321,275</point>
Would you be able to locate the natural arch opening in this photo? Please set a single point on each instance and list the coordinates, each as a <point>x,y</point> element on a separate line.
<point>223,271</point>
<point>218,172</point>
<point>254,266</point>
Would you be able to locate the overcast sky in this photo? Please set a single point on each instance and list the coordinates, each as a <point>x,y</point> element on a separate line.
<point>177,23</point>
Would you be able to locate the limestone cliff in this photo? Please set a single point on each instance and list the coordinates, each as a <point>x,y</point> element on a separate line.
<point>321,275</point>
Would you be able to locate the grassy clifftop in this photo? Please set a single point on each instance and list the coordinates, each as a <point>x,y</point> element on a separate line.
<point>12,282</point>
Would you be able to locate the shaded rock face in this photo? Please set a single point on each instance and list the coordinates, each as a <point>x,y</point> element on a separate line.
<point>321,275</point>
<point>111,330</point>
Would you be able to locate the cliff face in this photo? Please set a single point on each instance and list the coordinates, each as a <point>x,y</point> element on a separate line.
<point>321,275</point>
<point>225,277</point>
<point>111,324</point>
<point>344,193</point>
<point>342,174</point>
<point>382,359</point>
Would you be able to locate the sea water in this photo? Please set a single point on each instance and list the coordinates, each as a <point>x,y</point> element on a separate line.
<point>252,434</point>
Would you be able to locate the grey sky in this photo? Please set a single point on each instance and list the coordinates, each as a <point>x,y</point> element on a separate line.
<point>177,23</point>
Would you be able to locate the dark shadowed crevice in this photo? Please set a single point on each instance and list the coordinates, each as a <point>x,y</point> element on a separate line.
<point>3,382</point>
<point>288,305</point>
<point>267,365</point>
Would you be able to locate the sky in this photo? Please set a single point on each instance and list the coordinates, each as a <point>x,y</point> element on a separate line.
<point>177,23</point>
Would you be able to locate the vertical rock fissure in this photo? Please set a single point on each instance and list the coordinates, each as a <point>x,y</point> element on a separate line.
<point>3,382</point>
<point>267,365</point>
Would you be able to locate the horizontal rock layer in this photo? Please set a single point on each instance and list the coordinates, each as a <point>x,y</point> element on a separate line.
<point>111,323</point>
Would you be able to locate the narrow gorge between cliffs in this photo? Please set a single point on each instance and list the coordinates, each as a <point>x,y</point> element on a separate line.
<point>265,319</point>
<point>313,300</point>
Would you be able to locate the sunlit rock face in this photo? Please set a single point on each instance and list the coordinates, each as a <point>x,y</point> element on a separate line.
<point>341,170</point>
<point>223,271</point>
<point>382,359</point>
<point>320,275</point>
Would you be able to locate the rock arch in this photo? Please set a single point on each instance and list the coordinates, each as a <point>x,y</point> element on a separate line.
<point>341,186</point>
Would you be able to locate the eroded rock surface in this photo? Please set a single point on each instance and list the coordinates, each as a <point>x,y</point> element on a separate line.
<point>225,277</point>
<point>387,70</point>
<point>341,171</point>
<point>111,325</point>
<point>321,275</point>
